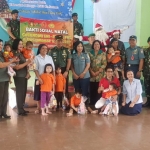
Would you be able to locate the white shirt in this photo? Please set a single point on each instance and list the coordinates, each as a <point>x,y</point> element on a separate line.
<point>131,90</point>
<point>41,61</point>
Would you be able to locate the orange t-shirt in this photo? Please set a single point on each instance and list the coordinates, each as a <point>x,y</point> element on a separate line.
<point>110,93</point>
<point>9,56</point>
<point>27,53</point>
<point>48,81</point>
<point>60,83</point>
<point>75,101</point>
<point>116,59</point>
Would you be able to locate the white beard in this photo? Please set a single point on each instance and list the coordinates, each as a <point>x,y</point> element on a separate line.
<point>101,35</point>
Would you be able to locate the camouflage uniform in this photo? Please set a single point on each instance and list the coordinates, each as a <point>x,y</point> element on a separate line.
<point>78,28</point>
<point>88,47</point>
<point>146,71</point>
<point>14,25</point>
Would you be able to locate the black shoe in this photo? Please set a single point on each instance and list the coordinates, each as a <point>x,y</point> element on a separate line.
<point>147,104</point>
<point>25,111</point>
<point>22,114</point>
<point>6,116</point>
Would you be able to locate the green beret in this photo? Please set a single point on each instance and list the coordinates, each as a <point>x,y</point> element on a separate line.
<point>15,11</point>
<point>92,34</point>
<point>58,37</point>
<point>148,40</point>
<point>74,14</point>
<point>133,37</point>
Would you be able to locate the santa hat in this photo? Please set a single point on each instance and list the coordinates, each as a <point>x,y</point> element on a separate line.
<point>98,26</point>
<point>116,32</point>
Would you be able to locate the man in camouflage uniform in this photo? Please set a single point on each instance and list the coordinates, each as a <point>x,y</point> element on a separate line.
<point>91,39</point>
<point>146,74</point>
<point>77,27</point>
<point>13,27</point>
<point>61,57</point>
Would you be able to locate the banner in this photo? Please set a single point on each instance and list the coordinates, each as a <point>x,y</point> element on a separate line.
<point>44,32</point>
<point>38,9</point>
<point>116,14</point>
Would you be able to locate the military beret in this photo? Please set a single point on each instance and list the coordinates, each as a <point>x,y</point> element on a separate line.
<point>148,40</point>
<point>92,34</point>
<point>133,37</point>
<point>58,37</point>
<point>14,11</point>
<point>74,14</point>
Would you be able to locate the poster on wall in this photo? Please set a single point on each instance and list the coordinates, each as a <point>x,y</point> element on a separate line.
<point>38,9</point>
<point>42,31</point>
<point>116,14</point>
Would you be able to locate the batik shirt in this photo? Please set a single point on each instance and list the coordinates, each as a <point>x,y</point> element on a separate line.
<point>97,61</point>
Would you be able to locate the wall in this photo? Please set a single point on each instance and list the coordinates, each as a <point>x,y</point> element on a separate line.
<point>143,22</point>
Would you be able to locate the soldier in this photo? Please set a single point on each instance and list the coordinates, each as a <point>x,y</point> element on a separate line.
<point>146,74</point>
<point>134,57</point>
<point>77,27</point>
<point>91,39</point>
<point>13,26</point>
<point>61,57</point>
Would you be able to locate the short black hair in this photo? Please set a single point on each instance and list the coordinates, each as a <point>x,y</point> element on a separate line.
<point>39,48</point>
<point>1,40</point>
<point>78,91</point>
<point>113,85</point>
<point>7,44</point>
<point>15,44</point>
<point>113,40</point>
<point>148,40</point>
<point>109,48</point>
<point>95,42</point>
<point>47,66</point>
<point>76,44</point>
<point>57,67</point>
<point>129,71</point>
<point>109,67</point>
<point>29,43</point>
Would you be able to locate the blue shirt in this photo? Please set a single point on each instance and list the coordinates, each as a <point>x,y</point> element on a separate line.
<point>133,55</point>
<point>131,90</point>
<point>80,62</point>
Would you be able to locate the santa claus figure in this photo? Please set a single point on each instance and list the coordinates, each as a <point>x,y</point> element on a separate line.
<point>104,37</point>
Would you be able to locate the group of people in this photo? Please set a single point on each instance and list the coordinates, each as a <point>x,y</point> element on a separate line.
<point>98,75</point>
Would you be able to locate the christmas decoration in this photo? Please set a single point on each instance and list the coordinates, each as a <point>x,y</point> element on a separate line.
<point>3,6</point>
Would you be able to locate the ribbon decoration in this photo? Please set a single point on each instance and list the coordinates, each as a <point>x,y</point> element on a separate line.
<point>73,2</point>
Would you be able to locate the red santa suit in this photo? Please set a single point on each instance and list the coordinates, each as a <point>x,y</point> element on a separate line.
<point>103,36</point>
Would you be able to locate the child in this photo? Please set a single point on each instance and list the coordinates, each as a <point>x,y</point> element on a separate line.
<point>116,62</point>
<point>8,55</point>
<point>28,53</point>
<point>75,102</point>
<point>46,88</point>
<point>111,98</point>
<point>60,86</point>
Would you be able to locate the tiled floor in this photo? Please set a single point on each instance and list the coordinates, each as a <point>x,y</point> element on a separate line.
<point>90,132</point>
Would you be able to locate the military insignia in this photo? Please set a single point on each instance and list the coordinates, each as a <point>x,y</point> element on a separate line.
<point>135,51</point>
<point>141,50</point>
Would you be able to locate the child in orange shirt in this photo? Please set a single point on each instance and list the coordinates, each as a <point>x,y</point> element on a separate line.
<point>8,55</point>
<point>110,95</point>
<point>116,62</point>
<point>60,86</point>
<point>75,101</point>
<point>46,88</point>
<point>28,54</point>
